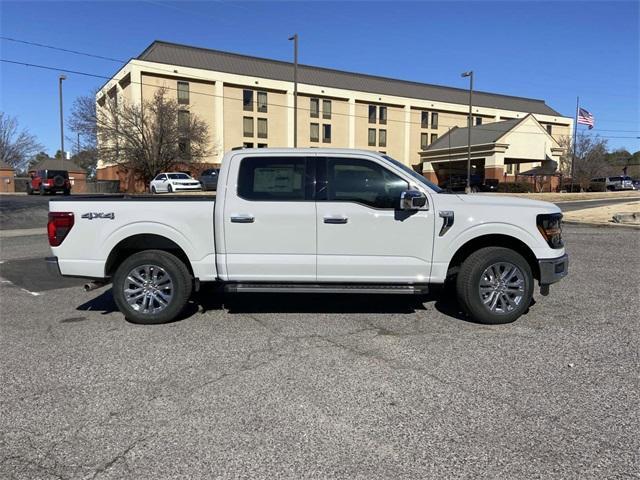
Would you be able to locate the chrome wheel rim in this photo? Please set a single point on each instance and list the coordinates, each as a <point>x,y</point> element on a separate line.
<point>502,287</point>
<point>148,289</point>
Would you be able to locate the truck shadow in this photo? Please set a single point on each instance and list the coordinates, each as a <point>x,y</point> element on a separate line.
<point>212,299</point>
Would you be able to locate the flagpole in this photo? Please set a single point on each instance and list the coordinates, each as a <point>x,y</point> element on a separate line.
<point>575,134</point>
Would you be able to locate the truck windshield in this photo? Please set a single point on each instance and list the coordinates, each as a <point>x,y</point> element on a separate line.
<point>414,174</point>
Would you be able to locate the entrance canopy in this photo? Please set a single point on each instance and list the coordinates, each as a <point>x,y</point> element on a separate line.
<point>522,142</point>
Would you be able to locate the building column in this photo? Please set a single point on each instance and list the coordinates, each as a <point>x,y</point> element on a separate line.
<point>429,173</point>
<point>352,123</point>
<point>407,135</point>
<point>494,167</point>
<point>218,119</point>
<point>290,125</point>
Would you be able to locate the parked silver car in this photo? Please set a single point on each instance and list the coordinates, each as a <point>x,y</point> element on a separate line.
<point>611,183</point>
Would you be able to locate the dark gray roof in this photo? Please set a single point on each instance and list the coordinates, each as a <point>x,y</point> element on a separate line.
<point>481,134</point>
<point>548,167</point>
<point>195,57</point>
<point>55,164</point>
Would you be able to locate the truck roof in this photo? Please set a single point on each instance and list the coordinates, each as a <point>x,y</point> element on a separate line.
<point>289,150</point>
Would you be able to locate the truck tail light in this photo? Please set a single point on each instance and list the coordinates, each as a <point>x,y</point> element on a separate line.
<point>59,225</point>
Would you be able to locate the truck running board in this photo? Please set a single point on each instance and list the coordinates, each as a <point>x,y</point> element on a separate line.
<point>420,289</point>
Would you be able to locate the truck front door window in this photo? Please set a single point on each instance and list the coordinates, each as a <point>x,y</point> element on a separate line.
<point>363,181</point>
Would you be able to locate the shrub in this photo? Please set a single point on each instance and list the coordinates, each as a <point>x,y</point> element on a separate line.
<point>515,187</point>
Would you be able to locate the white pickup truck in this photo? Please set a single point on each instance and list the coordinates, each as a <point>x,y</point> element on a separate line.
<point>311,220</point>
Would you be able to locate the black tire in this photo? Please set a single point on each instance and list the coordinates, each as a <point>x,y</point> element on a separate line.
<point>469,278</point>
<point>153,190</point>
<point>177,271</point>
<point>169,189</point>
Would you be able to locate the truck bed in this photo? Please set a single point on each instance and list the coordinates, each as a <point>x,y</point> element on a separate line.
<point>101,222</point>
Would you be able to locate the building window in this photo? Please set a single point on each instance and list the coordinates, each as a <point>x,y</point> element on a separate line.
<point>434,120</point>
<point>373,110</point>
<point>382,115</point>
<point>326,133</point>
<point>262,128</point>
<point>247,100</point>
<point>262,145</point>
<point>184,146</point>
<point>478,121</point>
<point>372,137</point>
<point>247,126</point>
<point>424,119</point>
<point>382,138</point>
<point>315,108</point>
<point>262,102</point>
<point>247,145</point>
<point>434,137</point>
<point>183,93</point>
<point>424,141</point>
<point>183,121</point>
<point>314,132</point>
<point>549,129</point>
<point>326,109</point>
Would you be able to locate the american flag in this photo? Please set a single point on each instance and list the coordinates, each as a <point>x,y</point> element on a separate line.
<point>585,118</point>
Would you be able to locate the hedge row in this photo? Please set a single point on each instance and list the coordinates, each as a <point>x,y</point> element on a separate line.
<point>515,187</point>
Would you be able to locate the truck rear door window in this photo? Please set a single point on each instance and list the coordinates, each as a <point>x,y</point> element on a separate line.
<point>272,178</point>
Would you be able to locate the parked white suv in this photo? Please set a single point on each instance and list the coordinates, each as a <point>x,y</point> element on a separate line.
<point>174,182</point>
<point>311,220</point>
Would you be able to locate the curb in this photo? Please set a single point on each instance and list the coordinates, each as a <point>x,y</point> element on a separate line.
<point>597,224</point>
<point>22,232</point>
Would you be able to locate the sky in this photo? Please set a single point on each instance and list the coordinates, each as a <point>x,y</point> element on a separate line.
<point>549,50</point>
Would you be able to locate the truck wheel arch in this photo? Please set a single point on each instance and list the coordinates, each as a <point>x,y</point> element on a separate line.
<point>138,243</point>
<point>493,240</point>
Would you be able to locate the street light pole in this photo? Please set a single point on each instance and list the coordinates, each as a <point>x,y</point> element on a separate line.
<point>60,79</point>
<point>295,89</point>
<point>469,122</point>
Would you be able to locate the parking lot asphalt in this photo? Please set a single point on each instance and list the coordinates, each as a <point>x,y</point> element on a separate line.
<point>303,386</point>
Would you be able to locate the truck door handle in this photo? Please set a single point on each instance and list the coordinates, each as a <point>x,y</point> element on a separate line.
<point>242,219</point>
<point>335,220</point>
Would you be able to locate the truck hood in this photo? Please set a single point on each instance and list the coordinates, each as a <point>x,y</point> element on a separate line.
<point>507,201</point>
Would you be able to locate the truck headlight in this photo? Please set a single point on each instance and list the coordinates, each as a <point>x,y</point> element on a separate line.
<point>550,226</point>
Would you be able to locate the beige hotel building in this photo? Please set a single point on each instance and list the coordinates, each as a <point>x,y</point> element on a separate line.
<point>248,102</point>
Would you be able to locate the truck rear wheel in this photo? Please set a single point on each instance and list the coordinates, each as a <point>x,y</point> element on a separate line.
<point>495,285</point>
<point>151,287</point>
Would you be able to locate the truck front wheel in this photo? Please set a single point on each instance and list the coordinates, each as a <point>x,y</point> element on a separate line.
<point>151,287</point>
<point>495,285</point>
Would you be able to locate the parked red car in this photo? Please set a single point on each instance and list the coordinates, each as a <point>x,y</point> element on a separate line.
<point>49,181</point>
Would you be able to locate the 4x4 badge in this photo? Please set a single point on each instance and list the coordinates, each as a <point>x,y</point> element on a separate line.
<point>92,215</point>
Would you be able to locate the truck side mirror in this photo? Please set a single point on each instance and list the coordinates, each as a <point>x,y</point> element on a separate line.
<point>413,200</point>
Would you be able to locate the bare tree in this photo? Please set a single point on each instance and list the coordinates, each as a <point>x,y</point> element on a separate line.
<point>155,135</point>
<point>590,158</point>
<point>16,146</point>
